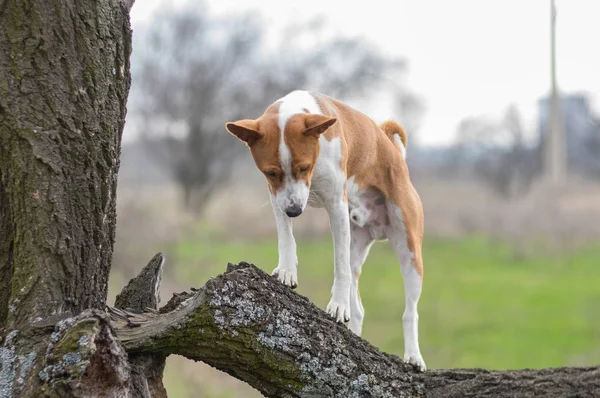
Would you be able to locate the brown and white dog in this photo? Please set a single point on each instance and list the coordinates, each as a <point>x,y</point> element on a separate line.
<point>316,150</point>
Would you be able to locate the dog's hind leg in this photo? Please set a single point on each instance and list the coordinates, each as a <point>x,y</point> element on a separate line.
<point>360,243</point>
<point>405,234</point>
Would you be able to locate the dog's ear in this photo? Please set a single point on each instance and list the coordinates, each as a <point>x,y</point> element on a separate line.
<point>246,130</point>
<point>317,124</point>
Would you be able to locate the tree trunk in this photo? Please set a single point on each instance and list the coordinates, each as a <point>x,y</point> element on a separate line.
<point>64,81</point>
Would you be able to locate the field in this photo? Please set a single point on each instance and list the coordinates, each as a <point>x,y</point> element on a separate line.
<point>530,303</point>
<point>480,306</point>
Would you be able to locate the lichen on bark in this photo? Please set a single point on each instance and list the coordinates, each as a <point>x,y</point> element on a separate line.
<point>64,80</point>
<point>283,345</point>
<point>84,359</point>
<point>249,325</point>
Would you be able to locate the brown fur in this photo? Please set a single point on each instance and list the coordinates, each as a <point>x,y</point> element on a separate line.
<point>301,136</point>
<point>376,163</point>
<point>368,153</point>
<point>391,127</point>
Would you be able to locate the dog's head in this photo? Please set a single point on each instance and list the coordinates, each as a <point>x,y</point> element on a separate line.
<point>287,160</point>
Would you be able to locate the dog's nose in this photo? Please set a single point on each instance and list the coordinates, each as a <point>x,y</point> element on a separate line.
<point>293,211</point>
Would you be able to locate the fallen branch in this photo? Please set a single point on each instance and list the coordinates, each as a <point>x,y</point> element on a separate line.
<point>247,324</point>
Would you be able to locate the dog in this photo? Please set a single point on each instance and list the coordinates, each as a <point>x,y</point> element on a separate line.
<point>315,150</point>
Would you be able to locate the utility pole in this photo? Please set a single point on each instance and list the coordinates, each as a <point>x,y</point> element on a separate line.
<point>555,143</point>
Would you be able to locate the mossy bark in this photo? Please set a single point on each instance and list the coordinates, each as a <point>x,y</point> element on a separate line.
<point>64,81</point>
<point>249,325</point>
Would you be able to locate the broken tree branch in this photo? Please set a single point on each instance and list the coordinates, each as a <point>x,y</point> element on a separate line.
<point>247,324</point>
<point>141,294</point>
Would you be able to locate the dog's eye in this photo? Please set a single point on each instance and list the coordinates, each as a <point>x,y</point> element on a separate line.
<point>304,169</point>
<point>271,173</point>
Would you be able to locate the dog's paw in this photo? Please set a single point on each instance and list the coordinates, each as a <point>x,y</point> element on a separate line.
<point>339,310</point>
<point>416,360</point>
<point>286,276</point>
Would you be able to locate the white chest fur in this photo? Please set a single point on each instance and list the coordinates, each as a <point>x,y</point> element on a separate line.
<point>366,207</point>
<point>327,183</point>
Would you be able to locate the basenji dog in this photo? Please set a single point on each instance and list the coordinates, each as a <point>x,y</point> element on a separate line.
<point>315,150</point>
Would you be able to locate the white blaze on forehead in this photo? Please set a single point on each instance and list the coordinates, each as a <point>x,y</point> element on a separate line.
<point>292,193</point>
<point>292,104</point>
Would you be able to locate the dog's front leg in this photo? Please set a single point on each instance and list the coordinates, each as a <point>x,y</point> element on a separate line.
<point>339,305</point>
<point>287,268</point>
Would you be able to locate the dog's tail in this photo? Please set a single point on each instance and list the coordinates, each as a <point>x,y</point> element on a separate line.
<point>396,133</point>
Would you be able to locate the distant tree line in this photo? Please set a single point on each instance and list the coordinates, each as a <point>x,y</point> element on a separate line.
<point>499,153</point>
<point>193,72</point>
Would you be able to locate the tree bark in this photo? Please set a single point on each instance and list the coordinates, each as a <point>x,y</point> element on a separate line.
<point>64,81</point>
<point>247,324</point>
<point>553,382</point>
<point>143,294</point>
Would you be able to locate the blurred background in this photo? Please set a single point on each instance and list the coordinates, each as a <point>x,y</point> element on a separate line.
<point>506,162</point>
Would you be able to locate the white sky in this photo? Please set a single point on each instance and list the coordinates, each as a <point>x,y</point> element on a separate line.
<point>466,57</point>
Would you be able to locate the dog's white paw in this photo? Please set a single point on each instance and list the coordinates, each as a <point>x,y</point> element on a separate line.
<point>417,360</point>
<point>339,310</point>
<point>287,276</point>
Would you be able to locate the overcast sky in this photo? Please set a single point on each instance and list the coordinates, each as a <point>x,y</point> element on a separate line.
<point>466,57</point>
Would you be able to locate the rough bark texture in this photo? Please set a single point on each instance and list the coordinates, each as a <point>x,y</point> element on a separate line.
<point>247,324</point>
<point>256,329</point>
<point>143,291</point>
<point>84,359</point>
<point>82,356</point>
<point>554,382</point>
<point>141,294</point>
<point>64,80</point>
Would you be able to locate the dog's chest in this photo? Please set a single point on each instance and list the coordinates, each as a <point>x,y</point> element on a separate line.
<point>328,179</point>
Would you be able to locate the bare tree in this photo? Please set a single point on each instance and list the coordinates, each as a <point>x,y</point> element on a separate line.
<point>192,73</point>
<point>496,152</point>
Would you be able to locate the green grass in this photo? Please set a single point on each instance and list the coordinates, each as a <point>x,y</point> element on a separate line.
<point>480,306</point>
